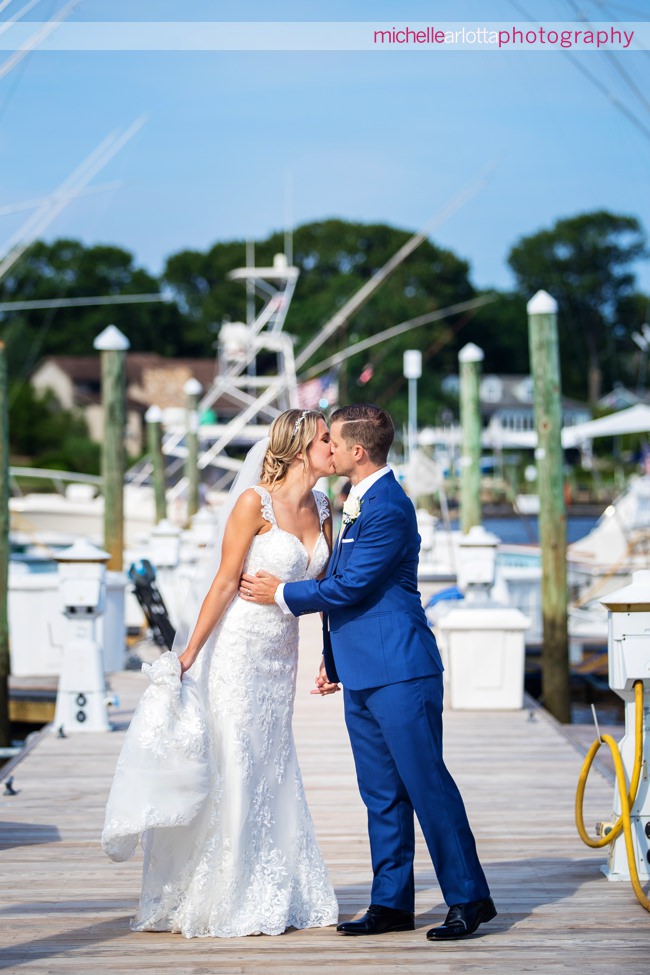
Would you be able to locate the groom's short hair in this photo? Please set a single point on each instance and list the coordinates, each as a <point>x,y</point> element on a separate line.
<point>368,425</point>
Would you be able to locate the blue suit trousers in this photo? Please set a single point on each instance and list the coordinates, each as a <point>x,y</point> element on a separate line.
<point>396,737</point>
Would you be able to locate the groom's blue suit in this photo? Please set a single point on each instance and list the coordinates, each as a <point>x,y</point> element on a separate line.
<point>378,644</point>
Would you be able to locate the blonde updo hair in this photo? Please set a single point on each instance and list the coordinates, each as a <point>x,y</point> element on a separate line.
<point>291,434</point>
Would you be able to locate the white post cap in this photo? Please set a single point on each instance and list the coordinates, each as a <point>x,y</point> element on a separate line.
<point>470,353</point>
<point>111,340</point>
<point>542,303</point>
<point>154,414</point>
<point>82,551</point>
<point>412,364</point>
<point>165,528</point>
<point>478,537</point>
<point>192,387</point>
<point>631,598</point>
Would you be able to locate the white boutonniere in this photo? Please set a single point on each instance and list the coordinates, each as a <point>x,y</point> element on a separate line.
<point>351,509</point>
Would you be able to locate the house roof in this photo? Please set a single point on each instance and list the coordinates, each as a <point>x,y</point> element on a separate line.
<point>149,377</point>
<point>88,367</point>
<point>620,397</point>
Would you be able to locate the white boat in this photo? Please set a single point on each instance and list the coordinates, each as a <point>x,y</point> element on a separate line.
<point>527,504</point>
<point>52,518</point>
<point>600,562</point>
<point>617,546</point>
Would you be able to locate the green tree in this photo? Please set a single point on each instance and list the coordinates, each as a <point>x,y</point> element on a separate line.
<point>69,269</point>
<point>585,262</point>
<point>203,293</point>
<point>336,258</point>
<point>500,329</point>
<point>41,432</point>
<point>634,320</point>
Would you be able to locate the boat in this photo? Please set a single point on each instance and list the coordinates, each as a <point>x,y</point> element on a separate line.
<point>54,519</point>
<point>617,546</point>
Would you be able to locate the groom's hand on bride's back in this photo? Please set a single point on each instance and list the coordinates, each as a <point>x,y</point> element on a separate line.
<point>258,588</point>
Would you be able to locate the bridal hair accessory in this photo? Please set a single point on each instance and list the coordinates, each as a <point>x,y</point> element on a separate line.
<point>296,425</point>
<point>351,509</point>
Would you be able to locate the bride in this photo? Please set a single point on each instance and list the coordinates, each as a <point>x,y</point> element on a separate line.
<point>208,772</point>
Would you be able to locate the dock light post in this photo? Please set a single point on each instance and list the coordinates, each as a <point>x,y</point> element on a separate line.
<point>545,368</point>
<point>192,390</point>
<point>412,372</point>
<point>113,345</point>
<point>81,696</point>
<point>470,358</point>
<point>153,419</point>
<point>628,647</point>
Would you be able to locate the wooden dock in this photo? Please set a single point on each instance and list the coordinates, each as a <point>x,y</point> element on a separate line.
<point>65,907</point>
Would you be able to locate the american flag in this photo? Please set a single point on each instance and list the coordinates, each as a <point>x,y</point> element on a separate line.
<point>318,393</point>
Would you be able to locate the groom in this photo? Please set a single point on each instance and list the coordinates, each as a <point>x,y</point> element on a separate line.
<point>378,644</point>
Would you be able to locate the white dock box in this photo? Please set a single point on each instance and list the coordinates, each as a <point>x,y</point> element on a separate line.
<point>483,649</point>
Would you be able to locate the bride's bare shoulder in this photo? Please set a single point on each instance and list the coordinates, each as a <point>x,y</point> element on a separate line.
<point>249,503</point>
<point>251,498</point>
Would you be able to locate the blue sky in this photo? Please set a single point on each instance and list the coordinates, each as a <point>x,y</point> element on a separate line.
<point>237,143</point>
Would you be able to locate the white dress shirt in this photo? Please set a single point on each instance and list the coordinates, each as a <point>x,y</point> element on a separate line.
<point>358,490</point>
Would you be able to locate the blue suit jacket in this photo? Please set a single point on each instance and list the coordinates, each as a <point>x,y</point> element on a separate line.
<point>375,630</point>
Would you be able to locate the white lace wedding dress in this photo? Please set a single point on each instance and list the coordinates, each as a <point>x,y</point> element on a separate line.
<point>247,862</point>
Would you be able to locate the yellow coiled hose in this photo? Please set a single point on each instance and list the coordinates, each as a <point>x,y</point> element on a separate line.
<point>623,823</point>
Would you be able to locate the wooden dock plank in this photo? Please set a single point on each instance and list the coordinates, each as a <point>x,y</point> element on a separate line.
<point>65,907</point>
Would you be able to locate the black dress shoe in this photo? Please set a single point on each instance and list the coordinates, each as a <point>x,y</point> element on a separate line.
<point>463,919</point>
<point>379,920</point>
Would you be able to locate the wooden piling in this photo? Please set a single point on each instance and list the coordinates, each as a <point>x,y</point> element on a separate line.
<point>113,345</point>
<point>545,367</point>
<point>153,418</point>
<point>470,358</point>
<point>5,735</point>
